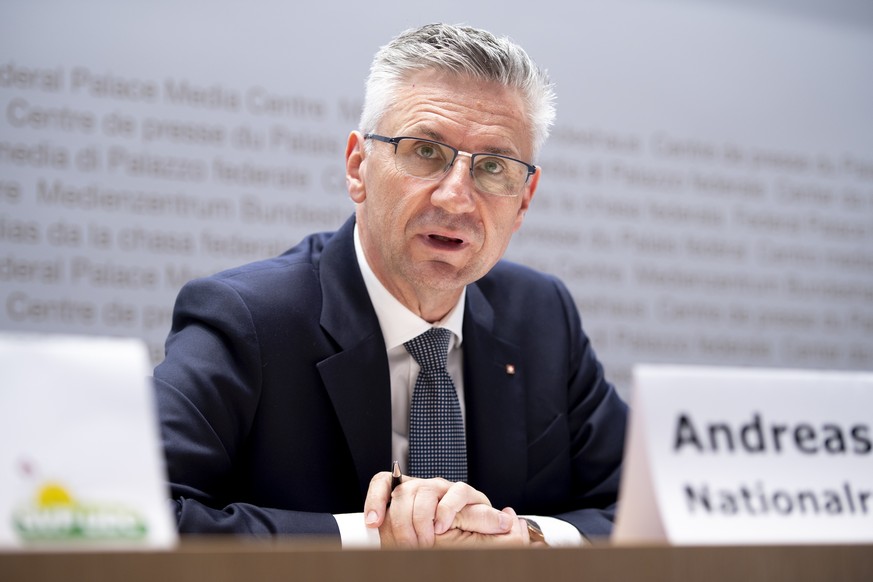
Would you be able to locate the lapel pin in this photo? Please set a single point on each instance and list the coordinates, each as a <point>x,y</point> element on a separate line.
<point>510,369</point>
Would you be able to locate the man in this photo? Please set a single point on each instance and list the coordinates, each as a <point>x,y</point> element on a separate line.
<point>290,384</point>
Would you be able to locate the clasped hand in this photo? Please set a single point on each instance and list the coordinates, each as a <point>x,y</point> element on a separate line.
<point>424,513</point>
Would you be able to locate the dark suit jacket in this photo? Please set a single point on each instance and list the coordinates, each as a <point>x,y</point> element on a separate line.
<point>275,408</point>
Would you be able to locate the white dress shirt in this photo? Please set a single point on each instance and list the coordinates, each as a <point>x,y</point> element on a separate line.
<point>400,325</point>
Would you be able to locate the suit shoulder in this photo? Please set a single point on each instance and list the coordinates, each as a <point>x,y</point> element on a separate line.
<point>270,285</point>
<point>507,273</point>
<point>513,287</point>
<point>303,256</point>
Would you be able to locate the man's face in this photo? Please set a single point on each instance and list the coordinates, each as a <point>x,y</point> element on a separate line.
<point>430,238</point>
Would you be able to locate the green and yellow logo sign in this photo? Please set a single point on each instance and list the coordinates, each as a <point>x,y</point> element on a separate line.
<point>55,516</point>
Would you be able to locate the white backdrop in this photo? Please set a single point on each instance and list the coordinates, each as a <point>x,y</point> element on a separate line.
<point>707,193</point>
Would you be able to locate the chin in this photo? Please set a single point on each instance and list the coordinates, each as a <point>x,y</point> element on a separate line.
<point>452,278</point>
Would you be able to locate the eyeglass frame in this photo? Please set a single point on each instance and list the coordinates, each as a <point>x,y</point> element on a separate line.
<point>395,141</point>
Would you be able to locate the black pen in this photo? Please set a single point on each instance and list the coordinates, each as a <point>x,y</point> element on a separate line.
<point>395,475</point>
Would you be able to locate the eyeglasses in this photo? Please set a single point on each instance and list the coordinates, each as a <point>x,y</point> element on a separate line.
<point>431,160</point>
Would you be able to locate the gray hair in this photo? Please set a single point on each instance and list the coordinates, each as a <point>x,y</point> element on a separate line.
<point>462,51</point>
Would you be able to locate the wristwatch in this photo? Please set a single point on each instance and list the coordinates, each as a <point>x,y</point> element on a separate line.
<point>535,532</point>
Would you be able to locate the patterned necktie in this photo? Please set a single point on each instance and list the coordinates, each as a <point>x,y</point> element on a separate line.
<point>436,430</point>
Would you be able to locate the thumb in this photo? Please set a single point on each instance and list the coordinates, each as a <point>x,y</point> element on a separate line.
<point>484,519</point>
<point>378,497</point>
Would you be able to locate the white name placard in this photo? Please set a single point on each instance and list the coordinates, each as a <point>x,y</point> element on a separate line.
<point>747,456</point>
<point>81,465</point>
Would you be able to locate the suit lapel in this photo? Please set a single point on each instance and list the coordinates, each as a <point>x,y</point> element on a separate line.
<point>495,406</point>
<point>356,377</point>
<point>357,381</point>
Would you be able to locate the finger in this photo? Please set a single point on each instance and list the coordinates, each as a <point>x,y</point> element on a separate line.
<point>378,496</point>
<point>413,506</point>
<point>484,519</point>
<point>517,525</point>
<point>423,512</point>
<point>400,517</point>
<point>518,535</point>
<point>455,537</point>
<point>455,499</point>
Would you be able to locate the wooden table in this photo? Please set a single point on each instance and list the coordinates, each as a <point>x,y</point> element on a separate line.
<point>232,559</point>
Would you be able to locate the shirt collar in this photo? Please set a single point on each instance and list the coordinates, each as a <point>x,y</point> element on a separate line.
<point>398,323</point>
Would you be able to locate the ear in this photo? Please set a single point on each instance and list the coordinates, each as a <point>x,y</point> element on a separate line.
<point>529,190</point>
<point>354,163</point>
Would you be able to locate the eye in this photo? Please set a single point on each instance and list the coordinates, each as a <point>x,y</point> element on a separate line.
<point>427,151</point>
<point>491,166</point>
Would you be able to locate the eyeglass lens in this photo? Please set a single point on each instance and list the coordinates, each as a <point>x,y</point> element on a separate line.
<point>431,160</point>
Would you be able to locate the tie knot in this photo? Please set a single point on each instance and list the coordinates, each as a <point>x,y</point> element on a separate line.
<point>430,349</point>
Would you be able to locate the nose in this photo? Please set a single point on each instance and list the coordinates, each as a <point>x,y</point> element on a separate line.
<point>454,193</point>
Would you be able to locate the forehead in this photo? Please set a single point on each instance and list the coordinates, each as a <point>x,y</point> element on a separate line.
<point>469,114</point>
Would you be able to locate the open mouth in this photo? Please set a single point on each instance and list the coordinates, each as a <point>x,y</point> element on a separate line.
<point>445,239</point>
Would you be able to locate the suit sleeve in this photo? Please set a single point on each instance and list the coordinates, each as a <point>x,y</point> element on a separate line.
<point>598,418</point>
<point>208,390</point>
